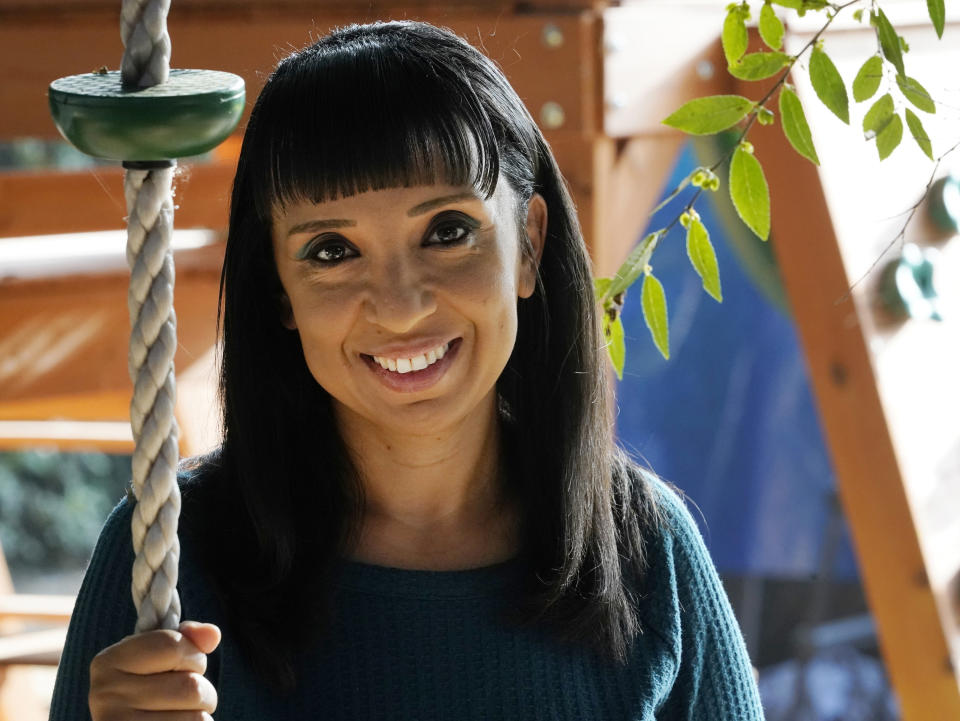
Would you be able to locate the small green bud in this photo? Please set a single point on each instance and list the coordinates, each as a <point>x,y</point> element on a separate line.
<point>765,116</point>
<point>685,219</point>
<point>698,178</point>
<point>694,215</point>
<point>714,184</point>
<point>858,15</point>
<point>903,44</point>
<point>747,146</point>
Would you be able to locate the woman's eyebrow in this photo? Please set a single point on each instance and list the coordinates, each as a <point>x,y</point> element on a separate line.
<point>443,200</point>
<point>312,226</point>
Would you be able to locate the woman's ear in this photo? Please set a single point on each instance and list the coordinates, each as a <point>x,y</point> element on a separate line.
<point>286,313</point>
<point>536,230</point>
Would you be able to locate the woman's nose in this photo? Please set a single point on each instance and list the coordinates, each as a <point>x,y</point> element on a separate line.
<point>399,298</point>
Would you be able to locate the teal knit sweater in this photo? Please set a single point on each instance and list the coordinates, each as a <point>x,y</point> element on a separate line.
<point>425,645</point>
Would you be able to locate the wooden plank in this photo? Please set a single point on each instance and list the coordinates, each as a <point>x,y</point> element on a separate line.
<point>68,337</point>
<point>869,474</point>
<point>249,40</point>
<point>647,74</point>
<point>33,648</point>
<point>30,607</point>
<point>41,203</point>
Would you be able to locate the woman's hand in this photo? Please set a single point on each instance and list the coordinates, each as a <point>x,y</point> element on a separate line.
<point>156,675</point>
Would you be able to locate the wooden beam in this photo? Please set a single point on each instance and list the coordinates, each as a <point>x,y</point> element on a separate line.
<point>29,607</point>
<point>249,39</point>
<point>92,199</point>
<point>33,648</point>
<point>869,473</point>
<point>69,336</point>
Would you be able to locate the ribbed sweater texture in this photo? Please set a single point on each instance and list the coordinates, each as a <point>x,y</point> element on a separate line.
<point>423,645</point>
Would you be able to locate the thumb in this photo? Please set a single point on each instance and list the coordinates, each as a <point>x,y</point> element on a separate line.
<point>205,636</point>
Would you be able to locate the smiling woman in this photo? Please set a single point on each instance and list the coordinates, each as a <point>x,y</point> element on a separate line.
<point>417,510</point>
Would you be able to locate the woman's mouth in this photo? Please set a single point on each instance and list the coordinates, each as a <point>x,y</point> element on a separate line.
<point>414,373</point>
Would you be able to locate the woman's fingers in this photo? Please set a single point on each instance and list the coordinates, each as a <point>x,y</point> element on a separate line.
<point>171,691</point>
<point>205,636</point>
<point>162,716</point>
<point>151,652</point>
<point>155,676</point>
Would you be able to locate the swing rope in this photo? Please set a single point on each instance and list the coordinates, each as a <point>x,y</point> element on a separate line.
<point>153,338</point>
<point>146,115</point>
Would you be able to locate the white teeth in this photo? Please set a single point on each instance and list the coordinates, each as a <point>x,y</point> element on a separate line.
<point>417,363</point>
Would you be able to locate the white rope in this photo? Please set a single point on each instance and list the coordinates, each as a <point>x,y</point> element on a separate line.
<point>146,55</point>
<point>153,341</point>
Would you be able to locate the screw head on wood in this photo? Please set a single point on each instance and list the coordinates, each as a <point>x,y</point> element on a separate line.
<point>552,36</point>
<point>552,115</point>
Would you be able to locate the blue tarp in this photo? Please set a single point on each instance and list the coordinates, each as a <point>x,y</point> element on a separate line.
<point>730,418</point>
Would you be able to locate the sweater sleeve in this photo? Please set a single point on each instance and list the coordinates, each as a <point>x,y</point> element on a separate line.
<point>715,679</point>
<point>104,614</point>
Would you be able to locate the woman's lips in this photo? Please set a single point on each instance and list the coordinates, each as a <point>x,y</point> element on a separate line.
<point>415,380</point>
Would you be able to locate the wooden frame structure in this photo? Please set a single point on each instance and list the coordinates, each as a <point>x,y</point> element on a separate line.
<point>598,77</point>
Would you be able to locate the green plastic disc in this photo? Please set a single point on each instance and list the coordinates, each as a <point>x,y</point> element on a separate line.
<point>190,114</point>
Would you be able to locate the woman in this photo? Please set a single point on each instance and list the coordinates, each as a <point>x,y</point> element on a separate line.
<point>417,510</point>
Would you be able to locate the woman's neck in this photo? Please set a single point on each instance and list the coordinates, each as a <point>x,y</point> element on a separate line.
<point>433,501</point>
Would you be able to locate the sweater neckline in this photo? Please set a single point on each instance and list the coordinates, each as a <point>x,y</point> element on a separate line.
<point>480,582</point>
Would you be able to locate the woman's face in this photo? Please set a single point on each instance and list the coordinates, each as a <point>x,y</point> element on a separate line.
<point>405,299</point>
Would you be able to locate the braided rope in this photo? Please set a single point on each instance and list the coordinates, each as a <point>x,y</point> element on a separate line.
<point>153,341</point>
<point>146,55</point>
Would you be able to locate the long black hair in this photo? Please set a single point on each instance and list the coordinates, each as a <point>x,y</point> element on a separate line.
<point>369,107</point>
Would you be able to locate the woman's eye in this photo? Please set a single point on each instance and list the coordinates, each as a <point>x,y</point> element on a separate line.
<point>331,252</point>
<point>452,232</point>
<point>447,234</point>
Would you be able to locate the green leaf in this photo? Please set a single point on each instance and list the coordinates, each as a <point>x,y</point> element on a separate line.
<point>600,287</point>
<point>878,117</point>
<point>919,134</point>
<point>792,4</point>
<point>868,79</point>
<point>709,115</point>
<point>749,192</point>
<point>937,15</point>
<point>889,42</point>
<point>704,259</point>
<point>771,29</point>
<point>828,84</point>
<point>613,333</point>
<point>757,66</point>
<point>635,264</point>
<point>795,126</point>
<point>734,36</point>
<point>916,94</point>
<point>654,304</point>
<point>889,138</point>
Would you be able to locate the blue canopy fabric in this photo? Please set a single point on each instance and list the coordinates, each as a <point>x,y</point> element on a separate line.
<point>730,418</point>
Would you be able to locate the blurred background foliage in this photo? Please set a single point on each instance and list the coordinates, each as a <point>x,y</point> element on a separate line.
<point>52,505</point>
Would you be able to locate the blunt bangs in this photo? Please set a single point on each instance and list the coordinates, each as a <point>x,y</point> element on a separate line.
<point>343,118</point>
